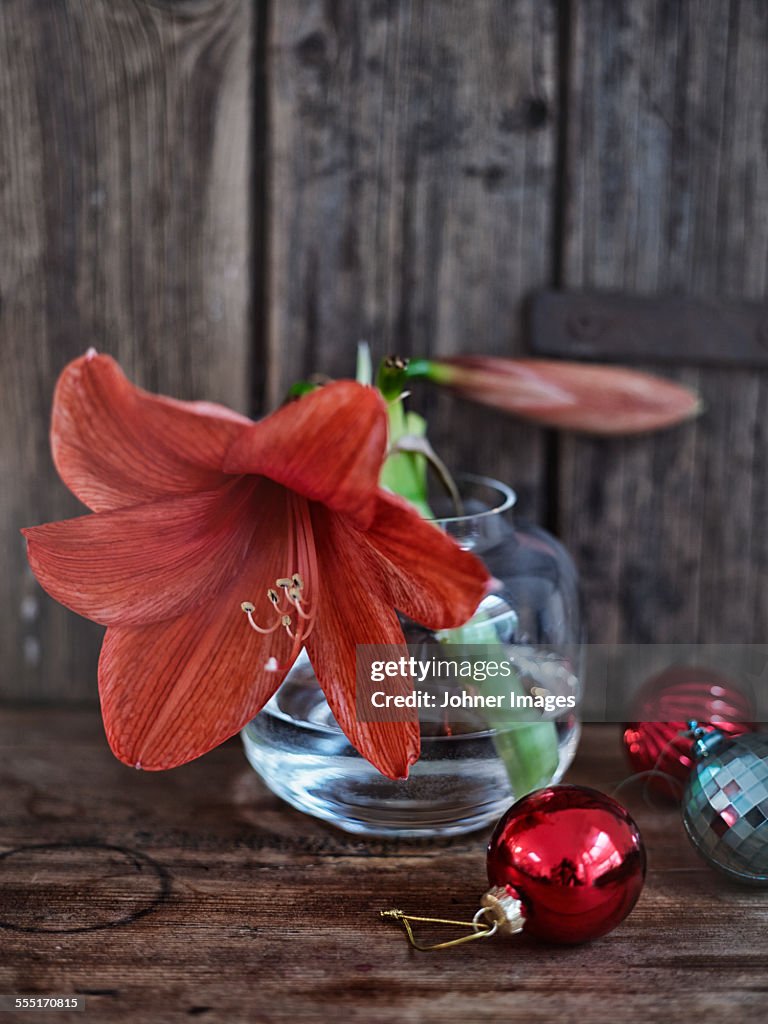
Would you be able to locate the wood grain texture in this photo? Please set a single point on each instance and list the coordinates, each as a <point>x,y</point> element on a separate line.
<point>667,190</point>
<point>259,913</point>
<point>667,328</point>
<point>412,151</point>
<point>124,211</point>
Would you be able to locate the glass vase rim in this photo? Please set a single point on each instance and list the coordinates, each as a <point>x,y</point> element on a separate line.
<point>507,500</point>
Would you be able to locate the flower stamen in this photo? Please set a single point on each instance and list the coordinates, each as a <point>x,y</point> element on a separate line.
<point>249,609</point>
<point>296,614</point>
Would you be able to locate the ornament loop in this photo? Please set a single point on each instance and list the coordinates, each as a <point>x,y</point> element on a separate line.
<point>481,930</point>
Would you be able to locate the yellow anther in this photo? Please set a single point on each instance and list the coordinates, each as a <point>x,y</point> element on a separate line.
<point>248,607</point>
<point>272,595</point>
<point>283,583</point>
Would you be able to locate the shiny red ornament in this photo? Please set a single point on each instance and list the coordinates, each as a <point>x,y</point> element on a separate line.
<point>654,741</point>
<point>573,857</point>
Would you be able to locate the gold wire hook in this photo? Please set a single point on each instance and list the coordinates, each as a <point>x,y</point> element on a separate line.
<point>481,929</point>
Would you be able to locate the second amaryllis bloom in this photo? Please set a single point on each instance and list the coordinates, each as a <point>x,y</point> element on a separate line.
<point>581,397</point>
<point>218,547</point>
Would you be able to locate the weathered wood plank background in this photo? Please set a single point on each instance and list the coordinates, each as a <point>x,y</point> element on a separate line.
<point>227,195</point>
<point>124,197</point>
<point>412,171</point>
<point>667,190</point>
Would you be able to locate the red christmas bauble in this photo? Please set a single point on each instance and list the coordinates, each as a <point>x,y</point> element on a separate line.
<point>573,857</point>
<point>662,708</point>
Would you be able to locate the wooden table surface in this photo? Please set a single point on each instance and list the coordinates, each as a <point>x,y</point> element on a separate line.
<point>196,894</point>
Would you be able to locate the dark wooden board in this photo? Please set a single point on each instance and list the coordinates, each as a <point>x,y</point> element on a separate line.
<point>667,190</point>
<point>124,196</point>
<point>411,184</point>
<point>228,906</point>
<point>626,328</point>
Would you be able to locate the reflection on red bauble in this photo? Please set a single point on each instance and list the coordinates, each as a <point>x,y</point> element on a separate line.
<point>662,708</point>
<point>573,857</point>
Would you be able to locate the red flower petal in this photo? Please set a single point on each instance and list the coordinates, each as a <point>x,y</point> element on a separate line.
<point>352,610</point>
<point>327,446</point>
<point>150,562</point>
<point>172,691</point>
<point>570,396</point>
<point>426,574</point>
<point>115,445</point>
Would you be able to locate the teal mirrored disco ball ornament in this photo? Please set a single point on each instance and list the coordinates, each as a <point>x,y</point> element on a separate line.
<point>725,806</point>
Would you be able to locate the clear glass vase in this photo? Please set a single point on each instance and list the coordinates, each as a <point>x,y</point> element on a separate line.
<point>469,771</point>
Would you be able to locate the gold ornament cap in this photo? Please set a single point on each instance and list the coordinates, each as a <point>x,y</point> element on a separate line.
<point>503,908</point>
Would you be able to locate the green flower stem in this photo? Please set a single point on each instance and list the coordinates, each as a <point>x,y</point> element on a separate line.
<point>529,753</point>
<point>528,749</point>
<point>405,472</point>
<point>425,369</point>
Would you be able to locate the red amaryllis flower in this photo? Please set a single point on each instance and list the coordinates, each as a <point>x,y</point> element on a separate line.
<point>200,514</point>
<point>570,396</point>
